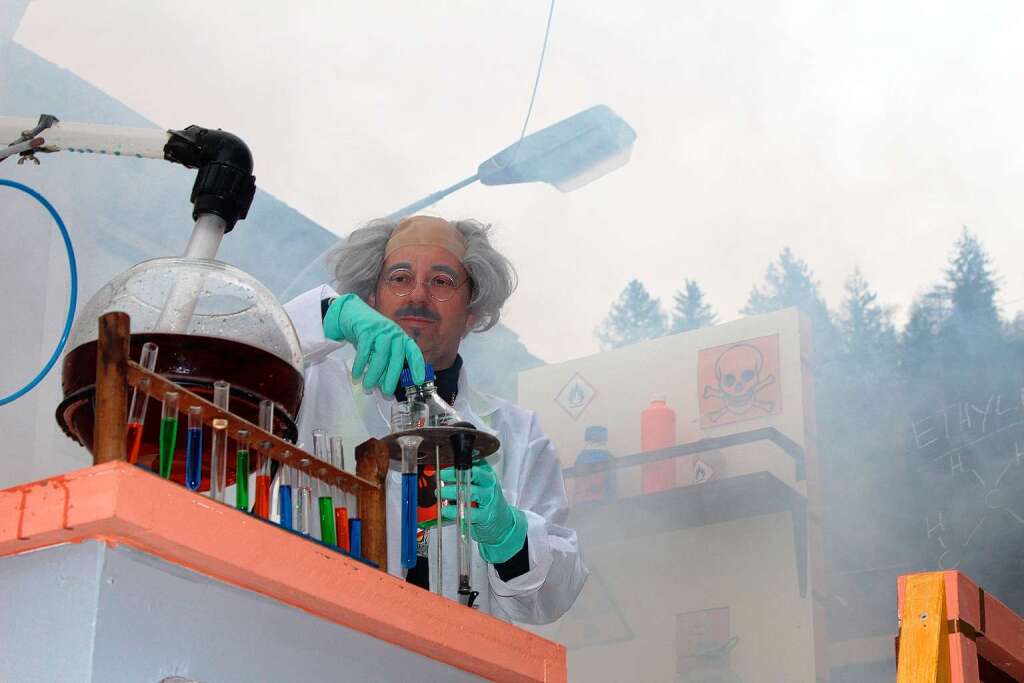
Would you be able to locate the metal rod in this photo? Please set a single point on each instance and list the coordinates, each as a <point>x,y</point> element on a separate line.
<point>433,198</point>
<point>440,557</point>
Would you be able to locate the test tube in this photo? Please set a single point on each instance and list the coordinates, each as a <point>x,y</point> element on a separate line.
<point>325,502</point>
<point>168,432</point>
<point>410,448</point>
<point>337,448</point>
<point>262,506</point>
<point>194,448</point>
<point>242,470</point>
<point>219,443</point>
<point>462,481</point>
<point>462,449</point>
<point>303,502</point>
<point>285,506</point>
<point>355,536</point>
<point>140,400</point>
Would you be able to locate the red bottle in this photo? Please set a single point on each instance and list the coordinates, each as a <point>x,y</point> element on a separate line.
<point>657,430</point>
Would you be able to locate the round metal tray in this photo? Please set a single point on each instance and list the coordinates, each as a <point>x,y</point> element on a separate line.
<point>438,437</point>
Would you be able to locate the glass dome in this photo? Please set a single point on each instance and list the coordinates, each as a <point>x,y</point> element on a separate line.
<point>225,302</point>
<point>210,321</point>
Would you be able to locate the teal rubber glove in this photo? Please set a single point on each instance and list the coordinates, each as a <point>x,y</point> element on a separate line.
<point>498,528</point>
<point>382,348</point>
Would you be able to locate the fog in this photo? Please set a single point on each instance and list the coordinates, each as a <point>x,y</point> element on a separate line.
<point>836,188</point>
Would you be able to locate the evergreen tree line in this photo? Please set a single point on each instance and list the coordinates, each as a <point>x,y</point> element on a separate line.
<point>919,436</point>
<point>961,309</point>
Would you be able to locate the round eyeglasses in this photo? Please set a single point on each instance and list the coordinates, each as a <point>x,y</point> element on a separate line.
<point>440,287</point>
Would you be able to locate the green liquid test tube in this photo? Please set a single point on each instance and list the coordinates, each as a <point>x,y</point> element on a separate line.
<point>242,471</point>
<point>328,532</point>
<point>168,432</point>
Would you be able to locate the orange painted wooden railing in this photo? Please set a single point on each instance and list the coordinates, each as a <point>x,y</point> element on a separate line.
<point>952,631</point>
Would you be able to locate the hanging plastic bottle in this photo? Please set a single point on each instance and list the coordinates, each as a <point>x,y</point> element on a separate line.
<point>439,413</point>
<point>599,486</point>
<point>657,431</point>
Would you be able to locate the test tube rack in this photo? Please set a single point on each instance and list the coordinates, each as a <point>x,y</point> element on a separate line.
<point>116,373</point>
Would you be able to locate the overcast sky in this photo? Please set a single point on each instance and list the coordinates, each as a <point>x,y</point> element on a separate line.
<point>857,133</point>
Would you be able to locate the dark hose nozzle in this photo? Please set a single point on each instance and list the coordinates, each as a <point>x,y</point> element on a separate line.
<point>462,446</point>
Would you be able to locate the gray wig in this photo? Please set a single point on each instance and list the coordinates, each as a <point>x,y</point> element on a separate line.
<point>357,262</point>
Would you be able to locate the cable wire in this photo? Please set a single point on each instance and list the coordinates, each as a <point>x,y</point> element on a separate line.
<point>536,82</point>
<point>72,299</point>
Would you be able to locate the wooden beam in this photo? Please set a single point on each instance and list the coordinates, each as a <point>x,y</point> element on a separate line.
<point>372,465</point>
<point>924,633</point>
<point>112,349</point>
<point>271,445</point>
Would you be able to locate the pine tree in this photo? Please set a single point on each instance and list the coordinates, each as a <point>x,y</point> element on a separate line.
<point>971,285</point>
<point>634,316</point>
<point>690,312</point>
<point>790,282</point>
<point>920,340</point>
<point>865,326</point>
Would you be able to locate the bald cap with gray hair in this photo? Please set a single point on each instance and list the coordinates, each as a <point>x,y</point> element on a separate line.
<point>357,262</point>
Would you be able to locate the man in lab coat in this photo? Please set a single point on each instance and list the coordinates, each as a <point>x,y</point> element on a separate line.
<point>408,292</point>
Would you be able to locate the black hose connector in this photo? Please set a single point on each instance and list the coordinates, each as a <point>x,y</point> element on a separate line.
<point>224,185</point>
<point>462,446</point>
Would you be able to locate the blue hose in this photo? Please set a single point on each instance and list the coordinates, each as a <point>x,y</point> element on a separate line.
<point>72,300</point>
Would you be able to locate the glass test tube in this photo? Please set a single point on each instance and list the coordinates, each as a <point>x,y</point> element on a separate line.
<point>242,470</point>
<point>303,498</point>
<point>462,480</point>
<point>325,501</point>
<point>355,536</point>
<point>337,449</point>
<point>285,506</point>
<point>262,506</point>
<point>168,432</point>
<point>219,443</point>
<point>410,492</point>
<point>140,400</point>
<point>194,448</point>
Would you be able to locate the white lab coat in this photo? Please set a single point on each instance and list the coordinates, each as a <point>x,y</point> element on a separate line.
<point>527,464</point>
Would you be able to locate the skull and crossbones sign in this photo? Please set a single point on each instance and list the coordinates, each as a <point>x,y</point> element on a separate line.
<point>738,371</point>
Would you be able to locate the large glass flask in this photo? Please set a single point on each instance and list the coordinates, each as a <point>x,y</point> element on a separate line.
<point>211,322</point>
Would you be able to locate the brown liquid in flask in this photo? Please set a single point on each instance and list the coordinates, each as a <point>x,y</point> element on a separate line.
<point>195,362</point>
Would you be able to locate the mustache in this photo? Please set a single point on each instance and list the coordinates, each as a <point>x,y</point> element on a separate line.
<point>417,312</point>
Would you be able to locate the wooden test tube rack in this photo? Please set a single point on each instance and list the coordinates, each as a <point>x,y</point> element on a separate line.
<point>116,372</point>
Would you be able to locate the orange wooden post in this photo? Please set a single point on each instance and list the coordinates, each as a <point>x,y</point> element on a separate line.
<point>924,633</point>
<point>372,464</point>
<point>112,350</point>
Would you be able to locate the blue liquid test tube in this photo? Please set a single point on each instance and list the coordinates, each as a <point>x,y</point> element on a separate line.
<point>355,537</point>
<point>410,493</point>
<point>194,449</point>
<point>285,505</point>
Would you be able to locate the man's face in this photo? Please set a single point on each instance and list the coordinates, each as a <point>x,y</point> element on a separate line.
<point>437,326</point>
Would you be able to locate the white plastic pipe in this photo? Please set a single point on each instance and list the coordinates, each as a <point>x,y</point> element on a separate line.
<point>91,138</point>
<point>184,296</point>
<point>206,237</point>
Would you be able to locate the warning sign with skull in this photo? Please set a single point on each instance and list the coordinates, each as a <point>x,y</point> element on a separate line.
<point>738,381</point>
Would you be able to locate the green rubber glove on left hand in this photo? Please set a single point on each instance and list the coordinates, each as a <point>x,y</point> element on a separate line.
<point>498,528</point>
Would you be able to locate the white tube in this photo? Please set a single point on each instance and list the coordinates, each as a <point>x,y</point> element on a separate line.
<point>206,237</point>
<point>90,137</point>
<point>184,295</point>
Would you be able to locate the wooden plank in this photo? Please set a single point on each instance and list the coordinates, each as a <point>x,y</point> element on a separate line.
<point>111,395</point>
<point>924,634</point>
<point>275,447</point>
<point>1003,641</point>
<point>372,465</point>
<point>118,503</point>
